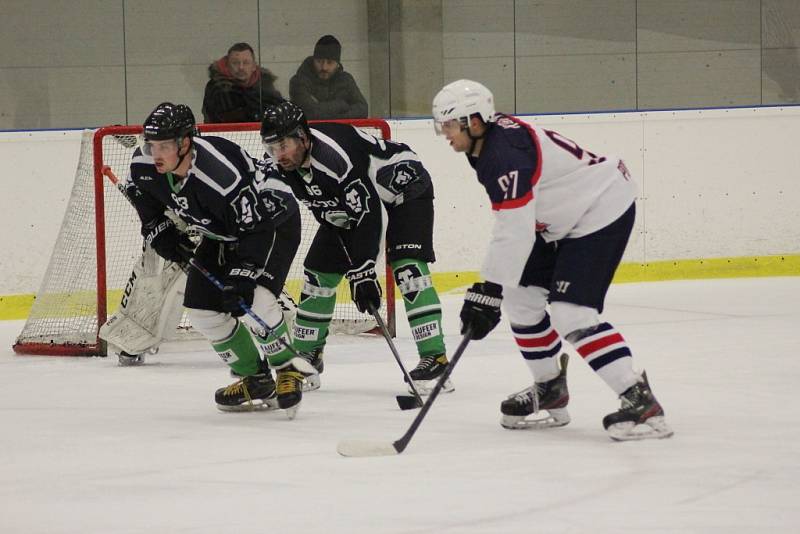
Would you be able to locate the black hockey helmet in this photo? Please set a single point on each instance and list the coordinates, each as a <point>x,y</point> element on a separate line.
<point>169,121</point>
<point>283,120</point>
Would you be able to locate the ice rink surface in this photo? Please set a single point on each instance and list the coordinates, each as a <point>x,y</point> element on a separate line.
<point>90,448</point>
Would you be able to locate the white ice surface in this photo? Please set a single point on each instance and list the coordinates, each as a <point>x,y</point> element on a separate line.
<point>88,447</point>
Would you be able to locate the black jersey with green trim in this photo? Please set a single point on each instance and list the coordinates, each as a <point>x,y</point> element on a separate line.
<point>224,196</point>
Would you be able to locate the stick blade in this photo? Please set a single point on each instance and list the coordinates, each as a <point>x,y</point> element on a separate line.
<point>408,402</point>
<point>360,448</point>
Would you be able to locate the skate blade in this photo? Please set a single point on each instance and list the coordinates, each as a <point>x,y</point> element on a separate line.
<point>311,383</point>
<point>268,405</point>
<point>425,387</point>
<point>537,421</point>
<point>654,428</point>
<point>291,412</point>
<point>128,361</point>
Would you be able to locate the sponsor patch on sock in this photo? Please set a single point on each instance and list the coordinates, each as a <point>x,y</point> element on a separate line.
<point>425,331</point>
<point>228,356</point>
<point>306,333</point>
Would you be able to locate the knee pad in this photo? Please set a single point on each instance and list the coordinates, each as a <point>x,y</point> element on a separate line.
<point>320,285</point>
<point>215,326</point>
<point>570,320</point>
<point>267,307</point>
<point>525,305</point>
<point>411,276</point>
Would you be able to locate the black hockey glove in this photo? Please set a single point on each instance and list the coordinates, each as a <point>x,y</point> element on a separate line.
<point>169,242</point>
<point>481,309</point>
<point>364,287</point>
<point>239,286</point>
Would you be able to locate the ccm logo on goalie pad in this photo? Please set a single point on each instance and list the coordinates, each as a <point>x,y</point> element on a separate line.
<point>128,290</point>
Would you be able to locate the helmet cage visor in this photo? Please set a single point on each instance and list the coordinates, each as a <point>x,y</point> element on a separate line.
<point>450,126</point>
<point>278,144</point>
<point>154,147</point>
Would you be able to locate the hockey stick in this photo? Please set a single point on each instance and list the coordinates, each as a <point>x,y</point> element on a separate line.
<point>358,449</point>
<point>406,402</point>
<point>245,308</point>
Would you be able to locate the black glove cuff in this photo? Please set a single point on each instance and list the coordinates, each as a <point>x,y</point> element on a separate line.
<point>490,288</point>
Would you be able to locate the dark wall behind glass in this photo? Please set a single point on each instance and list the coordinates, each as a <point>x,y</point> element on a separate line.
<point>92,62</point>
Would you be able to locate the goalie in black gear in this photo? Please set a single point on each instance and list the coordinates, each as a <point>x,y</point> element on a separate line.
<point>344,176</point>
<point>249,231</point>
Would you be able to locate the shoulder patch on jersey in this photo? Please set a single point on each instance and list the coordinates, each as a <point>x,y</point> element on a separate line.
<point>272,203</point>
<point>403,174</point>
<point>245,204</point>
<point>506,122</point>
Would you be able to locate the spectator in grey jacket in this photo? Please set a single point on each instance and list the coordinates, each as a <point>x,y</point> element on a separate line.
<point>323,89</point>
<point>238,89</point>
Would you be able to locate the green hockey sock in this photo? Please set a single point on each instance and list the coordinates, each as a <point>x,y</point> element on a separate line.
<point>424,311</point>
<point>315,311</point>
<point>273,351</point>
<point>239,351</point>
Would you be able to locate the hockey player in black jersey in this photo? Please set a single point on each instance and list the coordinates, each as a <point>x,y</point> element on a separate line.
<point>562,216</point>
<point>250,231</point>
<point>343,175</point>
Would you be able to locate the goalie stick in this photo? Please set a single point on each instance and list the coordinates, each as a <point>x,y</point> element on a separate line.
<point>361,448</point>
<point>405,402</point>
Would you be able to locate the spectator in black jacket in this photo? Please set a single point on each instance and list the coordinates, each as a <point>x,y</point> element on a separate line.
<point>238,89</point>
<point>323,89</point>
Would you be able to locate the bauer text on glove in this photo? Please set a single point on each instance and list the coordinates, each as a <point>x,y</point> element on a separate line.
<point>240,286</point>
<point>168,241</point>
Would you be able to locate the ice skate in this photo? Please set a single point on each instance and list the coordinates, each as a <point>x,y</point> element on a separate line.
<point>427,373</point>
<point>130,360</point>
<point>250,393</point>
<point>291,376</point>
<point>639,417</point>
<point>543,405</point>
<point>312,382</point>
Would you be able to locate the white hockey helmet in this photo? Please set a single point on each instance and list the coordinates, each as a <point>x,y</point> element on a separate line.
<point>460,100</point>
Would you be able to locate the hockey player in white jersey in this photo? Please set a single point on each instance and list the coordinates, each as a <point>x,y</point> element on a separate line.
<point>562,218</point>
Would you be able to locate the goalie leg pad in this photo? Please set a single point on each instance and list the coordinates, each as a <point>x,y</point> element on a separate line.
<point>150,309</point>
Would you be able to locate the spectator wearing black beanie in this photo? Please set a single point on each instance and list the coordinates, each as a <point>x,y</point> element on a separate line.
<point>322,87</point>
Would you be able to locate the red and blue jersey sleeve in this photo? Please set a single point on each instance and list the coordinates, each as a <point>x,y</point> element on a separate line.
<point>509,167</point>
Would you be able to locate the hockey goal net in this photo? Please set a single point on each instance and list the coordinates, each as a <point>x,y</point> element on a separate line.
<point>99,242</point>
